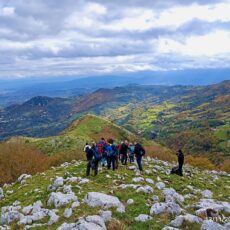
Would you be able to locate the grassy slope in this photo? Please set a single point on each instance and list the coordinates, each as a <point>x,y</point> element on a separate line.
<point>26,194</point>
<point>88,128</point>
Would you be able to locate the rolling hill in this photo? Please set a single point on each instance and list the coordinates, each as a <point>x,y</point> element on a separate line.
<point>88,128</point>
<point>193,118</point>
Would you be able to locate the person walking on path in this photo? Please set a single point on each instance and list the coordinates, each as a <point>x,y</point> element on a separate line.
<point>139,152</point>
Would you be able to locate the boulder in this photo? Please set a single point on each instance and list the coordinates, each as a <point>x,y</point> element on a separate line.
<point>96,220</point>
<point>68,212</point>
<point>143,218</point>
<point>150,181</point>
<point>133,167</point>
<point>84,181</point>
<point>53,218</point>
<point>22,179</point>
<point>207,194</point>
<point>145,189</point>
<point>214,205</point>
<point>124,186</point>
<point>60,199</point>
<point>67,189</point>
<point>172,196</point>
<point>168,207</point>
<point>130,201</point>
<point>75,204</point>
<point>106,215</point>
<point>58,182</point>
<point>160,185</point>
<point>211,225</point>
<point>10,214</point>
<point>137,179</point>
<point>89,223</point>
<point>94,199</point>
<point>188,217</point>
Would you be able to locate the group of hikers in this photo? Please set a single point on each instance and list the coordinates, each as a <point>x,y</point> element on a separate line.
<point>108,154</point>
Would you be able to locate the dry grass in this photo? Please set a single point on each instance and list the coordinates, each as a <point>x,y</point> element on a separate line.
<point>161,153</point>
<point>18,158</point>
<point>200,162</point>
<point>225,166</point>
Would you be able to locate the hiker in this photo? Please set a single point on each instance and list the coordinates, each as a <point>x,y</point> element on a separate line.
<point>139,152</point>
<point>89,156</point>
<point>96,158</point>
<point>101,150</point>
<point>180,162</point>
<point>124,151</point>
<point>112,152</point>
<point>131,153</point>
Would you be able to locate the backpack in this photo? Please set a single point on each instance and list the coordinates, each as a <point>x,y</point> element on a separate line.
<point>100,147</point>
<point>114,150</point>
<point>110,149</point>
<point>97,155</point>
<point>140,151</point>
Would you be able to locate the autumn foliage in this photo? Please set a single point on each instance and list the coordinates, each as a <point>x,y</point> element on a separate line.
<point>18,158</point>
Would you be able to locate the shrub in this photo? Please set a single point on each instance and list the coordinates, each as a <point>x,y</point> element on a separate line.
<point>200,162</point>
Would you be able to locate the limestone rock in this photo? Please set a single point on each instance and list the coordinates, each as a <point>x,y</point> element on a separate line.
<point>207,194</point>
<point>59,199</point>
<point>145,189</point>
<point>143,218</point>
<point>130,201</point>
<point>211,225</point>
<point>160,185</point>
<point>169,207</point>
<point>68,212</point>
<point>94,199</point>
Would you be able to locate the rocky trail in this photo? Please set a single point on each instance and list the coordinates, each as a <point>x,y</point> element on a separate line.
<point>62,198</point>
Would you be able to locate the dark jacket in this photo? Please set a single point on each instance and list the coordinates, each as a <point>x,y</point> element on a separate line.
<point>180,157</point>
<point>124,149</point>
<point>139,150</point>
<point>89,154</point>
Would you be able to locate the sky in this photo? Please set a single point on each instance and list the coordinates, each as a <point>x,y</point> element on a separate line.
<point>84,38</point>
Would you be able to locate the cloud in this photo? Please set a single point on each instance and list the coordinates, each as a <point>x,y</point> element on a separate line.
<point>50,38</point>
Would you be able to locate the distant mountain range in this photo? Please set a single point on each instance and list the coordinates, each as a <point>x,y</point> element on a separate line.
<point>195,118</point>
<point>20,90</point>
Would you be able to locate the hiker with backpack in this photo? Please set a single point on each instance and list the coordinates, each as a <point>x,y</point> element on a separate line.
<point>180,156</point>
<point>139,152</point>
<point>101,149</point>
<point>131,153</point>
<point>89,156</point>
<point>124,152</point>
<point>112,153</point>
<point>96,158</point>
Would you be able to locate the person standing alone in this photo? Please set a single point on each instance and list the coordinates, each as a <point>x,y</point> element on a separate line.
<point>139,152</point>
<point>180,155</point>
